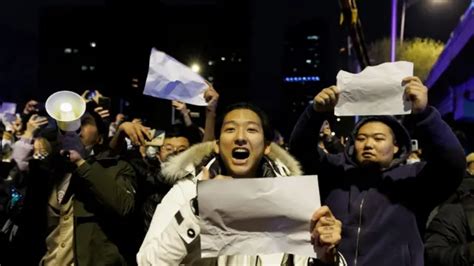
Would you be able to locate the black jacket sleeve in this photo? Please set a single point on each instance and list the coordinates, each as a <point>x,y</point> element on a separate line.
<point>113,187</point>
<point>444,156</point>
<point>304,140</point>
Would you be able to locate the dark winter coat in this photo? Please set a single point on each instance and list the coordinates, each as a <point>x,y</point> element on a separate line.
<point>104,194</point>
<point>382,210</point>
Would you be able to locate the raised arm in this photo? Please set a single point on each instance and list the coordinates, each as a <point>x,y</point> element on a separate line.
<point>304,138</point>
<point>444,155</point>
<point>212,98</point>
<point>136,132</point>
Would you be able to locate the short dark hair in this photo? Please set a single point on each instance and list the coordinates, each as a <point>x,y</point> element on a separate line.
<point>268,132</point>
<point>191,133</point>
<point>390,130</point>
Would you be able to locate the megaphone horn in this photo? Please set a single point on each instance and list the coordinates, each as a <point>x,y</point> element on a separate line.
<point>67,108</point>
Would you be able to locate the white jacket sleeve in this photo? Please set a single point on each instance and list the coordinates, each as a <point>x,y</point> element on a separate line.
<point>174,228</point>
<point>22,151</point>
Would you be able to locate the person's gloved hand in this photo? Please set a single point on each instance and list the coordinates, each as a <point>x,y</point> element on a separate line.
<point>70,141</point>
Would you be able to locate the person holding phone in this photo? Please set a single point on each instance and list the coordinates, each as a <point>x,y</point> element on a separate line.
<point>97,97</point>
<point>23,147</point>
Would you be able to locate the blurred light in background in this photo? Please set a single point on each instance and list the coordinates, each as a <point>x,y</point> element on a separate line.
<point>195,68</point>
<point>302,79</point>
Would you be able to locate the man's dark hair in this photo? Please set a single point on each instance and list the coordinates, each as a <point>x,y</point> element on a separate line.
<point>180,130</point>
<point>268,132</point>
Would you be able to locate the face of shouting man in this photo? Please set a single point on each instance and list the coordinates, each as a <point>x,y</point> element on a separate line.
<point>241,144</point>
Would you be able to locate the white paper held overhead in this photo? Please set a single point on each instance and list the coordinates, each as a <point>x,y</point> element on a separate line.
<point>169,79</point>
<point>377,90</point>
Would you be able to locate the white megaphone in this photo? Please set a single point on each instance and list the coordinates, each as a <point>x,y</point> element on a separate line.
<point>67,108</point>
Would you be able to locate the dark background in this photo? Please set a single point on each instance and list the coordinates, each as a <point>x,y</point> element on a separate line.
<point>46,46</point>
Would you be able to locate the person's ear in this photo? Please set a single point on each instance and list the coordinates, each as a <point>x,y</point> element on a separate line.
<point>216,146</point>
<point>395,149</point>
<point>268,149</point>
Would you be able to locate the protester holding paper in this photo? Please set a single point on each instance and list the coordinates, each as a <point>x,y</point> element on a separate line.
<point>170,79</point>
<point>381,202</point>
<point>243,149</point>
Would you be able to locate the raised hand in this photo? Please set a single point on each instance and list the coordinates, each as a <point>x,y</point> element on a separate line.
<point>212,97</point>
<point>416,93</point>
<point>136,132</point>
<point>326,100</point>
<point>34,123</point>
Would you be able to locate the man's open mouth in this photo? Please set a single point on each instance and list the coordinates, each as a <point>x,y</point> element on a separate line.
<point>240,153</point>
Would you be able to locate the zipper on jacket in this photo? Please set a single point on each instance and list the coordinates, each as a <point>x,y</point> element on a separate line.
<point>358,231</point>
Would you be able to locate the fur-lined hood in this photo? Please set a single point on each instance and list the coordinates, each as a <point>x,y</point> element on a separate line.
<point>184,164</point>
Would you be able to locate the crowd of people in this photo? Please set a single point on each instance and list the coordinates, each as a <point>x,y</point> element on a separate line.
<point>124,193</point>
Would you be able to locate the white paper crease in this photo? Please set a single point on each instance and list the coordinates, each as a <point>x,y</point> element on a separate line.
<point>257,215</point>
<point>169,79</point>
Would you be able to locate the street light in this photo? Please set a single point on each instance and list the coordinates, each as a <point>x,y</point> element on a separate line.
<point>439,1</point>
<point>393,34</point>
<point>393,30</point>
<point>195,68</point>
<point>407,4</point>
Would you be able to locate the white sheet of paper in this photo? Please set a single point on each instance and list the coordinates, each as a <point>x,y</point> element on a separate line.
<point>169,79</point>
<point>377,90</point>
<point>7,108</point>
<point>257,215</point>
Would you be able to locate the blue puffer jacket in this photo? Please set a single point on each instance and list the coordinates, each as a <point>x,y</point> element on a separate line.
<point>383,212</point>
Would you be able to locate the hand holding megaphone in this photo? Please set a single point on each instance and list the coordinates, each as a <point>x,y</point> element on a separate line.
<point>73,156</point>
<point>70,141</point>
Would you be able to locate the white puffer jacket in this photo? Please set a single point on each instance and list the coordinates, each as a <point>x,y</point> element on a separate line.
<point>173,236</point>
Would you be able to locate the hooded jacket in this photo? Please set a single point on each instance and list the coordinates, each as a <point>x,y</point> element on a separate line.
<point>382,211</point>
<point>173,237</point>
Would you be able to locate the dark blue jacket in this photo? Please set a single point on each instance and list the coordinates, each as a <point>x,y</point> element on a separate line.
<point>383,211</point>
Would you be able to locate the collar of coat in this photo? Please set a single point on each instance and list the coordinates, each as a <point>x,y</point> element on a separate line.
<point>182,165</point>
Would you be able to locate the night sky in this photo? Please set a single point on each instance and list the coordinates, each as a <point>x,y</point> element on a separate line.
<point>35,34</point>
